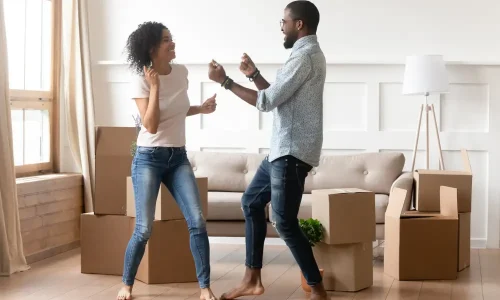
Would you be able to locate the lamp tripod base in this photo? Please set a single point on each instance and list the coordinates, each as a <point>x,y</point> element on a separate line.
<point>428,109</point>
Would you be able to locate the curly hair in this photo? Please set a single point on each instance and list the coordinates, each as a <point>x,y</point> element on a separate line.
<point>140,42</point>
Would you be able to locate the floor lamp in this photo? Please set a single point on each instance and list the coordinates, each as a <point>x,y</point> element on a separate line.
<point>425,75</point>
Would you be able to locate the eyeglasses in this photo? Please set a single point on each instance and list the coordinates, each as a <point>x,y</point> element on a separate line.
<point>283,21</point>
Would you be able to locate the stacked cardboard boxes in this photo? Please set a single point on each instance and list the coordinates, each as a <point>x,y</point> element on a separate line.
<point>433,241</point>
<point>345,255</point>
<point>428,183</point>
<point>103,240</point>
<point>106,232</point>
<point>419,245</point>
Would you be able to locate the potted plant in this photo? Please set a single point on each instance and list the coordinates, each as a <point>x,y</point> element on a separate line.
<point>314,231</point>
<point>138,125</point>
<point>133,147</point>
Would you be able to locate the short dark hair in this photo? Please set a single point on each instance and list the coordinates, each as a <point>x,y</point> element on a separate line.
<point>307,12</point>
<point>140,42</point>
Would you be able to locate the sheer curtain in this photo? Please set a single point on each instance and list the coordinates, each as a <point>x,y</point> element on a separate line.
<point>78,97</point>
<point>12,258</point>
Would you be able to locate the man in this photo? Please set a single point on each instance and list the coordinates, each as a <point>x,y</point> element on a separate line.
<point>296,100</point>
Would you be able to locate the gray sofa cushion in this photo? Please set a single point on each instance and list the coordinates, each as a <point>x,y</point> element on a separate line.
<point>374,172</point>
<point>226,206</point>
<point>233,172</point>
<point>226,172</point>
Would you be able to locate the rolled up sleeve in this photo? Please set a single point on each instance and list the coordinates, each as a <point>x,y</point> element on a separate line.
<point>291,77</point>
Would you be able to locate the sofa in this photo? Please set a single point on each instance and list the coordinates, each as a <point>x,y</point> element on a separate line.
<point>230,173</point>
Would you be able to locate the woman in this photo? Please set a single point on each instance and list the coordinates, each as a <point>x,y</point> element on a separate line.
<point>160,92</point>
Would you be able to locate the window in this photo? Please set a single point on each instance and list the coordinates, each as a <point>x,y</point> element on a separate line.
<point>30,28</point>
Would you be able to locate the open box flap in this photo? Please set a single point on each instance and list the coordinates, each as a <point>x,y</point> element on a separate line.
<point>114,141</point>
<point>448,206</point>
<point>448,201</point>
<point>396,203</point>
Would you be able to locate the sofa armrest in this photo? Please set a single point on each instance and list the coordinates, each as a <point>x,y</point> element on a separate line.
<point>405,181</point>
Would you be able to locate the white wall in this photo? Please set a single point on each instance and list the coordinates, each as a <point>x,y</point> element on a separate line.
<point>349,30</point>
<point>365,43</point>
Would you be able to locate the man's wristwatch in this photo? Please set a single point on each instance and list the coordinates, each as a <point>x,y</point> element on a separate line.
<point>227,83</point>
<point>254,75</point>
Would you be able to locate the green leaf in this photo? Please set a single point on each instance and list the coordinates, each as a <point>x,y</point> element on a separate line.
<point>312,229</point>
<point>133,147</point>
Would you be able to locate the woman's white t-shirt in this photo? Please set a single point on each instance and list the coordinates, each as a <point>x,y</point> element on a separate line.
<point>174,105</point>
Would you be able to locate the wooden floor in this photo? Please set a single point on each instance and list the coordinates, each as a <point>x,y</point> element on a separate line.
<point>60,278</point>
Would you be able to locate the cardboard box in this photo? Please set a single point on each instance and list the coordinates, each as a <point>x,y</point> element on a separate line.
<point>166,206</point>
<point>103,240</point>
<point>421,246</point>
<point>113,163</point>
<point>463,241</point>
<point>168,257</point>
<point>347,267</point>
<point>428,183</point>
<point>348,215</point>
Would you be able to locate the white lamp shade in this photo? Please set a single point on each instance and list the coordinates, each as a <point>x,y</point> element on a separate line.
<point>425,74</point>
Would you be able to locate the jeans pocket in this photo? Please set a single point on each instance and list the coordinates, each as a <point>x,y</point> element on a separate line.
<point>302,172</point>
<point>302,167</point>
<point>279,168</point>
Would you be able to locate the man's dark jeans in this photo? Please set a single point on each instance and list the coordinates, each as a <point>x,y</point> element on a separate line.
<point>281,182</point>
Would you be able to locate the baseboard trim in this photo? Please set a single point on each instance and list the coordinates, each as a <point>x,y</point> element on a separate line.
<point>47,253</point>
<point>478,243</point>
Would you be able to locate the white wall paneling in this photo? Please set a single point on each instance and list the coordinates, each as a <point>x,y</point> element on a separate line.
<point>341,151</point>
<point>231,114</point>
<point>408,108</point>
<point>347,109</point>
<point>465,97</point>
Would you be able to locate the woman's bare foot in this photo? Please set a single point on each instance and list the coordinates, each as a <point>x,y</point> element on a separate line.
<point>125,293</point>
<point>250,286</point>
<point>206,294</point>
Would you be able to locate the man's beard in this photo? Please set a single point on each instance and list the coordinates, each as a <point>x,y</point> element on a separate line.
<point>289,41</point>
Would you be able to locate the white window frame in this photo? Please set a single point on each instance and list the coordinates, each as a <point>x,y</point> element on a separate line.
<point>44,100</point>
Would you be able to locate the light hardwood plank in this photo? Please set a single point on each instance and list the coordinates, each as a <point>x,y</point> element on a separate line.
<point>59,278</point>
